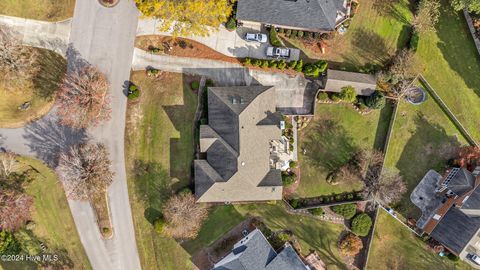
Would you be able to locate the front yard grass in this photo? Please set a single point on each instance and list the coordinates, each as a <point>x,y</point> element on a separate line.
<point>53,220</point>
<point>44,10</point>
<point>39,92</point>
<point>396,247</point>
<point>453,67</point>
<point>159,152</point>
<point>341,131</point>
<point>376,31</point>
<point>422,138</point>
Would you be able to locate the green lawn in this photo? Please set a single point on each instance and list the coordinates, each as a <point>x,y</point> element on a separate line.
<point>422,138</point>
<point>159,143</point>
<point>331,139</point>
<point>396,247</point>
<point>39,92</point>
<point>44,10</point>
<point>453,67</point>
<point>374,35</point>
<point>159,152</point>
<point>54,224</point>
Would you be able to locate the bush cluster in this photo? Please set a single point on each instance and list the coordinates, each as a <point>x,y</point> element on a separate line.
<point>288,178</point>
<point>361,224</point>
<point>348,94</point>
<point>375,101</point>
<point>317,211</point>
<point>322,96</point>
<point>231,24</point>
<point>133,91</point>
<point>315,69</point>
<point>345,210</point>
<point>8,244</point>
<point>195,85</point>
<point>274,40</point>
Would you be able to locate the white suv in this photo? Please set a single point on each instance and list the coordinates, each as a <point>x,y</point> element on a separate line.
<point>262,38</point>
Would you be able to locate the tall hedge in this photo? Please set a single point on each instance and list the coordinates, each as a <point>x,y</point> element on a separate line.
<point>346,210</point>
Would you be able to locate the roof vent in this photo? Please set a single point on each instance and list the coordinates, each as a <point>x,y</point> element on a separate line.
<point>234,100</point>
<point>243,163</point>
<point>242,101</point>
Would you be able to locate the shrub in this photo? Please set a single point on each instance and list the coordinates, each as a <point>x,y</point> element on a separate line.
<point>183,44</point>
<point>345,210</point>
<point>294,33</point>
<point>282,65</point>
<point>272,64</point>
<point>317,35</point>
<point>185,191</point>
<point>231,24</point>
<point>376,100</point>
<point>152,71</point>
<point>159,225</point>
<point>288,179</point>
<point>317,211</point>
<point>257,62</point>
<point>8,244</point>
<point>348,94</point>
<point>154,49</point>
<point>106,230</point>
<point>293,164</point>
<point>335,97</point>
<point>322,96</point>
<point>195,85</point>
<point>294,203</point>
<point>209,82</point>
<point>350,245</point>
<point>361,224</point>
<point>281,30</point>
<point>264,64</point>
<point>309,35</point>
<point>283,236</point>
<point>288,33</point>
<point>299,65</point>
<point>300,34</point>
<point>453,257</point>
<point>247,61</point>
<point>292,64</point>
<point>274,38</point>
<point>413,43</point>
<point>133,92</point>
<point>315,69</point>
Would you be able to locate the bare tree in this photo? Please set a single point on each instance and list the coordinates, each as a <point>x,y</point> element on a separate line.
<point>17,62</point>
<point>427,15</point>
<point>85,171</point>
<point>391,187</point>
<point>14,209</point>
<point>184,217</point>
<point>83,99</point>
<point>8,164</point>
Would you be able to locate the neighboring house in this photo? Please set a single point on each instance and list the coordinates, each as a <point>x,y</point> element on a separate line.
<point>254,252</point>
<point>451,209</point>
<point>238,162</point>
<point>364,84</point>
<point>306,15</point>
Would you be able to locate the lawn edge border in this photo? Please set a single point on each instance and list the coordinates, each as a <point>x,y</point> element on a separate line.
<point>371,237</point>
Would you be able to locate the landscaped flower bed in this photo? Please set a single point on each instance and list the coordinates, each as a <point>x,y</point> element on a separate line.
<point>325,200</point>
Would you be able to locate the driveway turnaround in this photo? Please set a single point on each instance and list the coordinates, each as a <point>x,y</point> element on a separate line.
<point>229,43</point>
<point>295,94</point>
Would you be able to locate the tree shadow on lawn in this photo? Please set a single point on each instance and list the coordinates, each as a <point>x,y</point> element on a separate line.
<point>383,125</point>
<point>328,146</point>
<point>369,46</point>
<point>182,148</point>
<point>51,72</point>
<point>430,147</point>
<point>467,66</point>
<point>152,186</point>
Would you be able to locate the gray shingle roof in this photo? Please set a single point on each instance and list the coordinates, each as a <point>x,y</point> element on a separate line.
<point>463,181</point>
<point>364,84</point>
<point>254,252</point>
<point>315,15</point>
<point>242,122</point>
<point>456,229</point>
<point>473,201</point>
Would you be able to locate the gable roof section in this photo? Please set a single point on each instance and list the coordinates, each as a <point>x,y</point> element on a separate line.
<point>364,84</point>
<point>317,15</point>
<point>473,201</point>
<point>456,229</point>
<point>461,182</point>
<point>253,252</point>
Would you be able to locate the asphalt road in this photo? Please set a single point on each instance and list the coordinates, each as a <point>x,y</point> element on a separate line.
<point>103,37</point>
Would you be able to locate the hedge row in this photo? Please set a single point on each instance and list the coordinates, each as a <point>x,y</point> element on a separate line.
<point>313,70</point>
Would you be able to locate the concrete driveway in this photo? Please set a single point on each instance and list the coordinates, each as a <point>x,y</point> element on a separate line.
<point>295,94</point>
<point>229,43</point>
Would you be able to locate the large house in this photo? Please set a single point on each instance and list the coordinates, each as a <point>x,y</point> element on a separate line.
<point>253,252</point>
<point>306,15</point>
<point>240,146</point>
<point>451,209</point>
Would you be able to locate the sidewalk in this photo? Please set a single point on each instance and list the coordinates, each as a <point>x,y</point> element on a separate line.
<point>48,35</point>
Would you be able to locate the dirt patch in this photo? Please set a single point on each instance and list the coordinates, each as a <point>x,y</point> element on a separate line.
<point>180,47</point>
